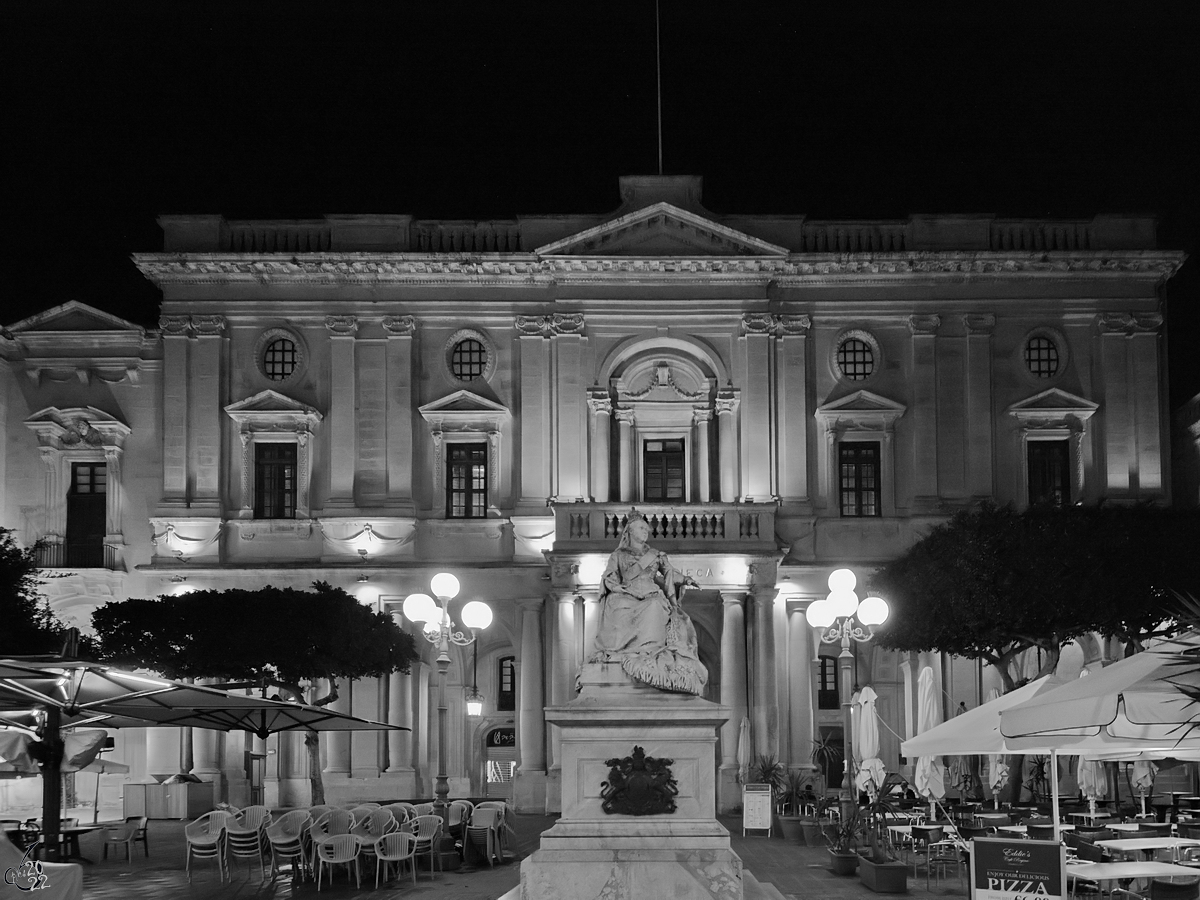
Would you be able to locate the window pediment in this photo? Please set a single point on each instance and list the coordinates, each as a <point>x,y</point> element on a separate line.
<point>78,427</point>
<point>661,229</point>
<point>860,411</point>
<point>272,411</point>
<point>1052,408</point>
<point>464,411</point>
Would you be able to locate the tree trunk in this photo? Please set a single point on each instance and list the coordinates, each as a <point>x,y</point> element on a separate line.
<point>312,741</point>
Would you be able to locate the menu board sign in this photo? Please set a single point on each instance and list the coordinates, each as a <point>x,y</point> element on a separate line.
<point>756,807</point>
<point>1018,870</point>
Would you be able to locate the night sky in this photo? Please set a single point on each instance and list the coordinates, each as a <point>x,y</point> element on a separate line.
<point>116,113</point>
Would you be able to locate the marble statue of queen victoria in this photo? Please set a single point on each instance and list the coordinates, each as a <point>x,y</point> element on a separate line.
<point>642,622</point>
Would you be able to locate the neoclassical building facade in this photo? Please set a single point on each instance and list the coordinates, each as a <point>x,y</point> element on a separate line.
<point>369,400</point>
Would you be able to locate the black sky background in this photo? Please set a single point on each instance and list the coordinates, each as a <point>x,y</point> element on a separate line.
<point>117,113</point>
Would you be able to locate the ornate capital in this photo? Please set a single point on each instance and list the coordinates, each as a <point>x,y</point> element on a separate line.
<point>727,401</point>
<point>775,325</point>
<point>341,326</point>
<point>792,326</point>
<point>1146,323</point>
<point>1114,323</point>
<point>399,326</point>
<point>599,402</point>
<point>924,325</point>
<point>208,326</point>
<point>758,323</point>
<point>175,326</point>
<point>979,324</point>
<point>701,415</point>
<point>624,415</point>
<point>549,326</point>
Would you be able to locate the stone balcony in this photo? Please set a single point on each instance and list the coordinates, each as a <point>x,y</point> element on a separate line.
<point>679,527</point>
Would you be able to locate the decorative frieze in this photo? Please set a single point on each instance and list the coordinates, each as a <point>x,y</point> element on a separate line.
<point>367,268</point>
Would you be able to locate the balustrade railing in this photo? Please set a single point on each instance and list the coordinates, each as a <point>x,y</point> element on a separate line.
<point>75,555</point>
<point>466,237</point>
<point>855,237</point>
<point>684,525</point>
<point>1041,236</point>
<point>279,237</point>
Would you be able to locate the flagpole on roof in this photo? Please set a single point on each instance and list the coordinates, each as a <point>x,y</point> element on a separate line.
<point>658,74</point>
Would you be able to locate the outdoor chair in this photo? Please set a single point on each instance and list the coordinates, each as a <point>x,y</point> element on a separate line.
<point>396,847</point>
<point>940,856</point>
<point>922,837</point>
<point>317,811</point>
<point>143,835</point>
<point>401,812</point>
<point>362,810</point>
<point>504,827</point>
<point>336,850</point>
<point>205,839</point>
<point>1039,832</point>
<point>1089,852</point>
<point>428,831</point>
<point>245,837</point>
<point>373,825</point>
<point>424,809</point>
<point>483,835</point>
<point>459,813</point>
<point>1155,829</point>
<point>286,839</point>
<point>118,835</point>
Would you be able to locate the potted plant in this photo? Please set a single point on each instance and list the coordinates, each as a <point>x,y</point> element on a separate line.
<point>879,866</point>
<point>826,755</point>
<point>842,837</point>
<point>791,822</point>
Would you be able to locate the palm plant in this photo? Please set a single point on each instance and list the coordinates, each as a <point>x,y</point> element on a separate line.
<point>767,769</point>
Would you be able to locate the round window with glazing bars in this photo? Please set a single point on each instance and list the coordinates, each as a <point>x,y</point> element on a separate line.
<point>279,359</point>
<point>1041,357</point>
<point>468,359</point>
<point>855,359</point>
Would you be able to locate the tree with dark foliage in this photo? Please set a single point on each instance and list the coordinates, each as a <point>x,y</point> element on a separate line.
<point>993,583</point>
<point>27,624</point>
<point>280,639</point>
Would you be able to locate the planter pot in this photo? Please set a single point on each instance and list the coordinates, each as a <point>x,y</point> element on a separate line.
<point>843,862</point>
<point>890,877</point>
<point>813,837</point>
<point>791,829</point>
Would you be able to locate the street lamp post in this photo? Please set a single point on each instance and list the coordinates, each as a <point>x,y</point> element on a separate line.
<point>841,617</point>
<point>439,631</point>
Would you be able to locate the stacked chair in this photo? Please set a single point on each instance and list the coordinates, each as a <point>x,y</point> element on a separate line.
<point>335,850</point>
<point>285,836</point>
<point>428,832</point>
<point>245,837</point>
<point>396,847</point>
<point>205,839</point>
<point>483,835</point>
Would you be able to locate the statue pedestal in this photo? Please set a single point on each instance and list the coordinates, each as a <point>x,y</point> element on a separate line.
<point>589,853</point>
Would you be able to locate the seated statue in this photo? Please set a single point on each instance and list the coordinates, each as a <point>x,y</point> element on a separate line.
<point>642,622</point>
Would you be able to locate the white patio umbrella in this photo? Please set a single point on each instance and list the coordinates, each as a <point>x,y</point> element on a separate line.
<point>1143,779</point>
<point>928,779</point>
<point>870,771</point>
<point>1092,781</point>
<point>743,750</point>
<point>997,767</point>
<point>101,766</point>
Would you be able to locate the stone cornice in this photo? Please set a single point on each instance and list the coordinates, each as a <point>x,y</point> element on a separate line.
<point>376,268</point>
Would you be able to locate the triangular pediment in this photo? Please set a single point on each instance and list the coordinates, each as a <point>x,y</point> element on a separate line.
<point>268,401</point>
<point>661,229</point>
<point>74,316</point>
<point>860,411</point>
<point>464,411</point>
<point>1053,404</point>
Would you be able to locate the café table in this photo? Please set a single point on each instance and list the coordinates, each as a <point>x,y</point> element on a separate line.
<point>1087,817</point>
<point>1147,845</point>
<point>1125,827</point>
<point>1128,870</point>
<point>68,836</point>
<point>1023,830</point>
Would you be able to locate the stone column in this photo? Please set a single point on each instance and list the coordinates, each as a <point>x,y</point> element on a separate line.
<point>342,452</point>
<point>727,404</point>
<point>979,404</point>
<point>628,453</point>
<point>56,493</point>
<point>571,417</point>
<point>764,703</point>
<point>600,404</point>
<point>364,745</point>
<point>563,678</point>
<point>733,696</point>
<point>700,419</point>
<point>1147,383</point>
<point>400,745</point>
<point>400,331</point>
<point>531,717</point>
<point>422,731</point>
<point>799,684</point>
<point>162,751</point>
<point>206,411</point>
<point>757,443</point>
<point>791,406</point>
<point>337,743</point>
<point>924,411</point>
<point>175,407</point>
<point>534,421</point>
